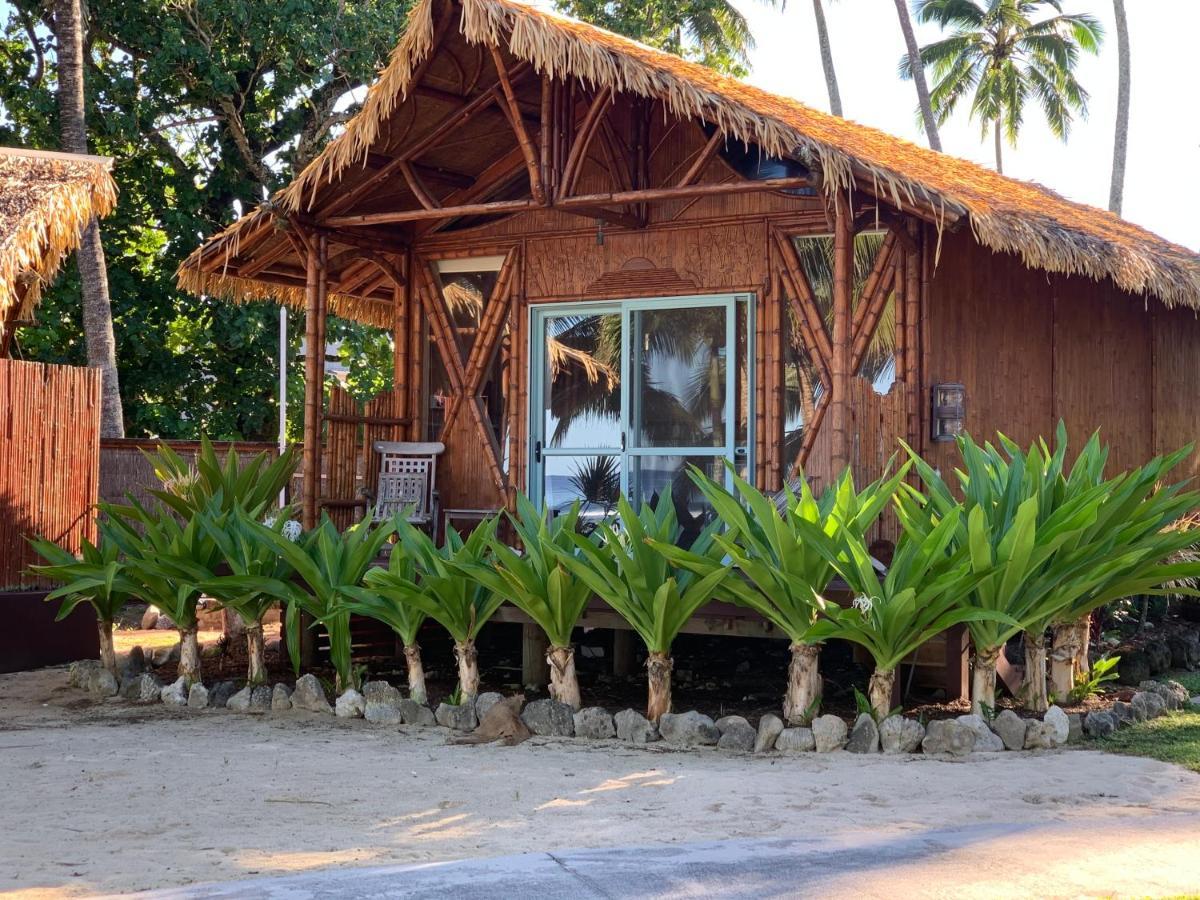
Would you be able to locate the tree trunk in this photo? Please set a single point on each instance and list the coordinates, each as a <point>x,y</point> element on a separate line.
<point>256,669</point>
<point>189,655</point>
<point>917,70</point>
<point>416,673</point>
<point>658,684</point>
<point>97,307</point>
<point>564,684</point>
<point>468,669</point>
<point>804,684</point>
<point>1116,189</point>
<point>999,149</point>
<point>1083,662</point>
<point>879,692</point>
<point>831,83</point>
<point>1034,689</point>
<point>108,653</point>
<point>983,679</point>
<point>1064,651</point>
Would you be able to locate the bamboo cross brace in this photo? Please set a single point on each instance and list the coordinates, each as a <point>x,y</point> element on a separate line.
<point>484,346</point>
<point>810,433</point>
<point>443,332</point>
<point>702,159</point>
<point>418,188</point>
<point>545,153</point>
<point>518,125</point>
<point>874,306</point>
<point>806,304</point>
<point>883,259</point>
<point>583,140</point>
<point>489,440</point>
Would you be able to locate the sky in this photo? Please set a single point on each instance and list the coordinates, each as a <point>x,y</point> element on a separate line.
<point>1161,186</point>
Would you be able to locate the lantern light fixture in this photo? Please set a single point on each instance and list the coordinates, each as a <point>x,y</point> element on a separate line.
<point>949,411</point>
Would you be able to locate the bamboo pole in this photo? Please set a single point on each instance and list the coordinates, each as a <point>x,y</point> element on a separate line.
<point>916,285</point>
<point>840,371</point>
<point>418,188</point>
<point>583,140</point>
<point>707,152</point>
<point>881,267</point>
<point>545,153</point>
<point>518,126</point>
<point>874,306</point>
<point>805,303</point>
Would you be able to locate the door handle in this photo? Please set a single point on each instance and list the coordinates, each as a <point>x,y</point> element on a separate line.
<point>622,442</point>
<point>537,451</point>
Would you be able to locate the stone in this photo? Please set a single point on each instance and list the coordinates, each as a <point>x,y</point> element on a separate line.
<point>310,695</point>
<point>240,702</point>
<point>281,698</point>
<point>1159,654</point>
<point>150,618</point>
<point>486,701</point>
<point>1147,705</point>
<point>796,740</point>
<point>1076,733</point>
<point>381,692</point>
<point>1174,694</point>
<point>101,681</point>
<point>175,693</point>
<point>197,697</point>
<point>1121,713</point>
<point>1062,725</point>
<point>414,713</point>
<point>1041,736</point>
<point>864,735</point>
<point>635,728</point>
<point>948,736</point>
<point>736,734</point>
<point>1010,728</point>
<point>900,735</point>
<point>770,727</point>
<point>80,670</point>
<point>593,722</point>
<point>1099,724</point>
<point>142,688</point>
<point>689,729</point>
<point>260,698</point>
<point>1185,650</point>
<point>986,740</point>
<point>165,655</point>
<point>134,663</point>
<point>457,718</point>
<point>219,694</point>
<point>164,623</point>
<point>829,733</point>
<point>378,713</point>
<point>1133,667</point>
<point>350,705</point>
<point>550,718</point>
<point>1196,701</point>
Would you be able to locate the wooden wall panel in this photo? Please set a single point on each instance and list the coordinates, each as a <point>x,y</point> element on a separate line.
<point>1176,350</point>
<point>464,475</point>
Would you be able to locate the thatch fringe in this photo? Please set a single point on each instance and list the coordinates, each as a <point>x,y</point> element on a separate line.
<point>46,200</point>
<point>1006,215</point>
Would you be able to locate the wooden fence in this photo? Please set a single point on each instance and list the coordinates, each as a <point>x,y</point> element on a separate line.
<point>49,460</point>
<point>125,470</point>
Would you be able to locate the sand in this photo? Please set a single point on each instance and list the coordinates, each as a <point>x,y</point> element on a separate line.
<point>109,797</point>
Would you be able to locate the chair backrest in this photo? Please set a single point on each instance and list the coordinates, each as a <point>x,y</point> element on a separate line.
<point>407,477</point>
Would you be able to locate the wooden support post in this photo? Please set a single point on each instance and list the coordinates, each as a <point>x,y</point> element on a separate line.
<point>624,662</point>
<point>315,299</point>
<point>534,670</point>
<point>840,371</point>
<point>957,672</point>
<point>913,309</point>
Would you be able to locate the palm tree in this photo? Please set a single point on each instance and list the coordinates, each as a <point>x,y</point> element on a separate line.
<point>1002,57</point>
<point>917,74</point>
<point>1116,190</point>
<point>97,307</point>
<point>831,82</point>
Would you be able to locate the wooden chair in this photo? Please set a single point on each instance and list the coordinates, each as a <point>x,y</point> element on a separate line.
<point>408,478</point>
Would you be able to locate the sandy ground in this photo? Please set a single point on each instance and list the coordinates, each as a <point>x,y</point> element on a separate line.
<point>105,797</point>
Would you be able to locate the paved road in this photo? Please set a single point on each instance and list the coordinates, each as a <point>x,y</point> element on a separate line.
<point>733,869</point>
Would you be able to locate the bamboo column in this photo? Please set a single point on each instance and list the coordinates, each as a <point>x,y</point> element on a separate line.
<point>840,371</point>
<point>912,353</point>
<point>316,283</point>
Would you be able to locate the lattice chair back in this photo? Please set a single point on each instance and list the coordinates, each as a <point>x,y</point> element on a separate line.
<point>408,478</point>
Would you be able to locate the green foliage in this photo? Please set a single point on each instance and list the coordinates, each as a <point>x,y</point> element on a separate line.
<point>460,604</point>
<point>784,574</point>
<point>1103,670</point>
<point>254,487</point>
<point>629,571</point>
<point>385,602</point>
<point>862,704</point>
<point>96,576</point>
<point>1173,738</point>
<point>535,579</point>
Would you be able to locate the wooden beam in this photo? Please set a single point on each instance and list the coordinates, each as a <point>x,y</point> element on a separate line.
<point>349,237</point>
<point>883,260</point>
<point>612,216</point>
<point>873,305</point>
<point>805,302</point>
<point>498,207</point>
<point>652,195</point>
<point>840,370</point>
<point>418,188</point>
<point>518,125</point>
<point>583,140</point>
<point>702,159</point>
<point>545,130</point>
<point>499,173</point>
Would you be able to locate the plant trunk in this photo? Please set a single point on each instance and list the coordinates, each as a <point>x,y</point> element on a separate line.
<point>804,684</point>
<point>256,669</point>
<point>189,654</point>
<point>1083,662</point>
<point>999,149</point>
<point>108,653</point>
<point>416,673</point>
<point>1064,653</point>
<point>983,679</point>
<point>1034,689</point>
<point>831,82</point>
<point>564,684</point>
<point>468,669</point>
<point>1116,188</point>
<point>917,70</point>
<point>879,692</point>
<point>93,274</point>
<point>658,683</point>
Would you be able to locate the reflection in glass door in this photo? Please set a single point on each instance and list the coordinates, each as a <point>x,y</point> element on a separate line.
<point>627,395</point>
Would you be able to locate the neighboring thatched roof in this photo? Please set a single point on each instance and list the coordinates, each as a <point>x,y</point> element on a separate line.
<point>46,199</point>
<point>1007,215</point>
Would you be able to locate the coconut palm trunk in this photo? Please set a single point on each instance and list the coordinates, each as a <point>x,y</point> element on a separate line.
<point>468,669</point>
<point>1064,653</point>
<point>917,70</point>
<point>999,147</point>
<point>1083,664</point>
<point>256,667</point>
<point>658,685</point>
<point>97,307</point>
<point>416,673</point>
<point>564,683</point>
<point>1034,687</point>
<point>880,690</point>
<point>804,686</point>
<point>189,654</point>
<point>1116,190</point>
<point>108,653</point>
<point>831,82</point>
<point>983,678</point>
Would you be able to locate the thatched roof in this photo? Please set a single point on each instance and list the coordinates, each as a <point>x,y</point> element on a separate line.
<point>46,199</point>
<point>1005,214</point>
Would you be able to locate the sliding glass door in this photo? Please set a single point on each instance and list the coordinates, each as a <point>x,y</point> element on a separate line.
<point>625,396</point>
